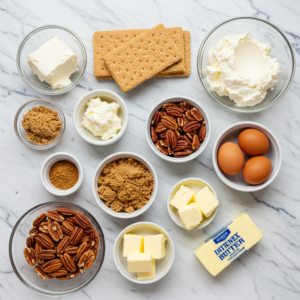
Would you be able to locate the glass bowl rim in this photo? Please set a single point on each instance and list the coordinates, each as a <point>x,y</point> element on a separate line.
<point>33,32</point>
<point>275,100</point>
<point>45,146</point>
<point>13,234</point>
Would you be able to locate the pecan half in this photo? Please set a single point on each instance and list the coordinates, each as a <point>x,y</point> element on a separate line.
<point>88,230</point>
<point>202,133</point>
<point>73,274</point>
<point>163,135</point>
<point>155,118</point>
<point>182,121</point>
<point>76,235</point>
<point>52,265</point>
<point>166,105</point>
<point>40,272</point>
<point>60,272</point>
<point>58,230</point>
<point>164,143</point>
<point>153,134</point>
<point>68,262</point>
<point>55,216</point>
<point>194,125</point>
<point>29,256</point>
<point>82,248</point>
<point>160,128</point>
<point>34,231</point>
<point>161,149</point>
<point>44,229</point>
<point>171,139</point>
<point>47,254</point>
<point>181,145</point>
<point>41,218</point>
<point>196,114</point>
<point>94,240</point>
<point>183,107</point>
<point>66,211</point>
<point>183,153</point>
<point>189,116</point>
<point>185,137</point>
<point>169,122</point>
<point>30,242</point>
<point>87,259</point>
<point>38,249</point>
<point>175,111</point>
<point>71,250</point>
<point>44,241</point>
<point>187,105</point>
<point>52,230</point>
<point>67,227</point>
<point>70,220</point>
<point>195,143</point>
<point>63,244</point>
<point>84,239</point>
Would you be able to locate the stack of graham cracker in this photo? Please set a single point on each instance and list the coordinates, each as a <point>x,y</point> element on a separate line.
<point>132,56</point>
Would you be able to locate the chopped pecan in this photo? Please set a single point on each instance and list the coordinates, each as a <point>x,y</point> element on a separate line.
<point>191,126</point>
<point>153,134</point>
<point>196,114</point>
<point>155,118</point>
<point>175,111</point>
<point>196,143</point>
<point>66,211</point>
<point>44,241</point>
<point>161,149</point>
<point>68,262</point>
<point>87,259</point>
<point>202,133</point>
<point>40,272</point>
<point>171,139</point>
<point>63,244</point>
<point>160,128</point>
<point>181,145</point>
<point>47,254</point>
<point>183,153</point>
<point>41,218</point>
<point>52,265</point>
<point>30,242</point>
<point>169,122</point>
<point>76,235</point>
<point>55,216</point>
<point>29,256</point>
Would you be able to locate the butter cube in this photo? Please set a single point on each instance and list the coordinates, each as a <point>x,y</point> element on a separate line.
<point>139,262</point>
<point>182,197</point>
<point>190,215</point>
<point>132,243</point>
<point>207,201</point>
<point>155,244</point>
<point>147,275</point>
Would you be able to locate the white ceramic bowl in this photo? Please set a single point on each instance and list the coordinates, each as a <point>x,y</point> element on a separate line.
<point>195,184</point>
<point>80,109</point>
<point>162,266</point>
<point>177,99</point>
<point>230,134</point>
<point>49,161</point>
<point>99,169</point>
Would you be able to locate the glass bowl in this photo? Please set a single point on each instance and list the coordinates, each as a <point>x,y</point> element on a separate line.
<point>21,133</point>
<point>37,38</point>
<point>27,274</point>
<point>265,32</point>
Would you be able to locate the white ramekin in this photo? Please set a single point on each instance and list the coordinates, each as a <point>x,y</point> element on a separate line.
<point>49,161</point>
<point>162,266</point>
<point>230,134</point>
<point>177,99</point>
<point>195,184</point>
<point>98,171</point>
<point>80,109</point>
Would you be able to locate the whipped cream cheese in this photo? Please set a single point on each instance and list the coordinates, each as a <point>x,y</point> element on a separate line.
<point>54,62</point>
<point>241,68</point>
<point>101,118</point>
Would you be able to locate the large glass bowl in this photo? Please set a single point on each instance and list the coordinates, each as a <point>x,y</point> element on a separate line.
<point>36,39</point>
<point>27,274</point>
<point>265,32</point>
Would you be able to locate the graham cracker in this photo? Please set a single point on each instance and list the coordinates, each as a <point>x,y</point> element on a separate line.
<point>187,60</point>
<point>106,41</point>
<point>142,57</point>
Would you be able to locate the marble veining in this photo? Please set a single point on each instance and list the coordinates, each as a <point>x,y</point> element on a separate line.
<point>271,270</point>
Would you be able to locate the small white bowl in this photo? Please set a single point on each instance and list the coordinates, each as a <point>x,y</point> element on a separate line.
<point>49,161</point>
<point>99,169</point>
<point>230,134</point>
<point>195,184</point>
<point>80,109</point>
<point>162,266</point>
<point>178,99</point>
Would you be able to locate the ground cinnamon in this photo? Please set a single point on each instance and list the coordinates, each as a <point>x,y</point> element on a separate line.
<point>63,174</point>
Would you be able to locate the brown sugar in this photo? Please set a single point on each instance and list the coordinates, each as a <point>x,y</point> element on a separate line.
<point>42,125</point>
<point>63,174</point>
<point>125,185</point>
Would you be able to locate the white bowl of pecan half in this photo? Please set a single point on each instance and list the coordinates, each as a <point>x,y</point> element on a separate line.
<point>178,129</point>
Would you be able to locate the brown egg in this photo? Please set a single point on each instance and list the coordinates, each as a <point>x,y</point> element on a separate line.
<point>253,142</point>
<point>257,170</point>
<point>231,158</point>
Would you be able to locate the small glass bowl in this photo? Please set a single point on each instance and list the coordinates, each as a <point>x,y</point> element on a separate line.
<point>26,273</point>
<point>21,133</point>
<point>36,39</point>
<point>265,32</point>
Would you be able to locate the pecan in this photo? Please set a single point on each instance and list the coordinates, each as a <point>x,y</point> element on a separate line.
<point>47,254</point>
<point>41,218</point>
<point>82,248</point>
<point>202,133</point>
<point>194,125</point>
<point>84,239</point>
<point>55,216</point>
<point>76,235</point>
<point>70,220</point>
<point>196,114</point>
<point>175,111</point>
<point>58,230</point>
<point>183,107</point>
<point>68,262</point>
<point>73,274</point>
<point>181,145</point>
<point>182,153</point>
<point>177,134</point>
<point>196,143</point>
<point>185,137</point>
<point>169,122</point>
<point>60,272</point>
<point>187,105</point>
<point>44,241</point>
<point>189,116</point>
<point>67,227</point>
<point>52,230</point>
<point>171,139</point>
<point>30,242</point>
<point>166,105</point>
<point>52,265</point>
<point>161,149</point>
<point>40,272</point>
<point>88,230</point>
<point>81,270</point>
<point>38,250</point>
<point>71,250</point>
<point>153,135</point>
<point>29,256</point>
<point>44,229</point>
<point>155,118</point>
<point>87,259</point>
<point>170,151</point>
<point>163,135</point>
<point>34,231</point>
<point>190,135</point>
<point>182,121</point>
<point>164,143</point>
<point>94,240</point>
<point>66,211</point>
<point>64,243</point>
<point>160,128</point>
<point>162,114</point>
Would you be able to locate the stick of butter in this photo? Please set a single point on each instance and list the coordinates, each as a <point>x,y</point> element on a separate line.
<point>139,262</point>
<point>190,215</point>
<point>132,243</point>
<point>228,244</point>
<point>182,197</point>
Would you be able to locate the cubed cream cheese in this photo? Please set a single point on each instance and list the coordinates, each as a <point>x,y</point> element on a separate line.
<point>190,215</point>
<point>182,197</point>
<point>54,62</point>
<point>206,201</point>
<point>147,275</point>
<point>139,262</point>
<point>155,244</point>
<point>132,243</point>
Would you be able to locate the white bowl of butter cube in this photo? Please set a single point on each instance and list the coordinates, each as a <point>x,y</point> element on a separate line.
<point>144,252</point>
<point>192,203</point>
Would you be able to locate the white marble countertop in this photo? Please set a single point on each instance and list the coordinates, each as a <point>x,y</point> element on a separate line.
<point>271,270</point>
